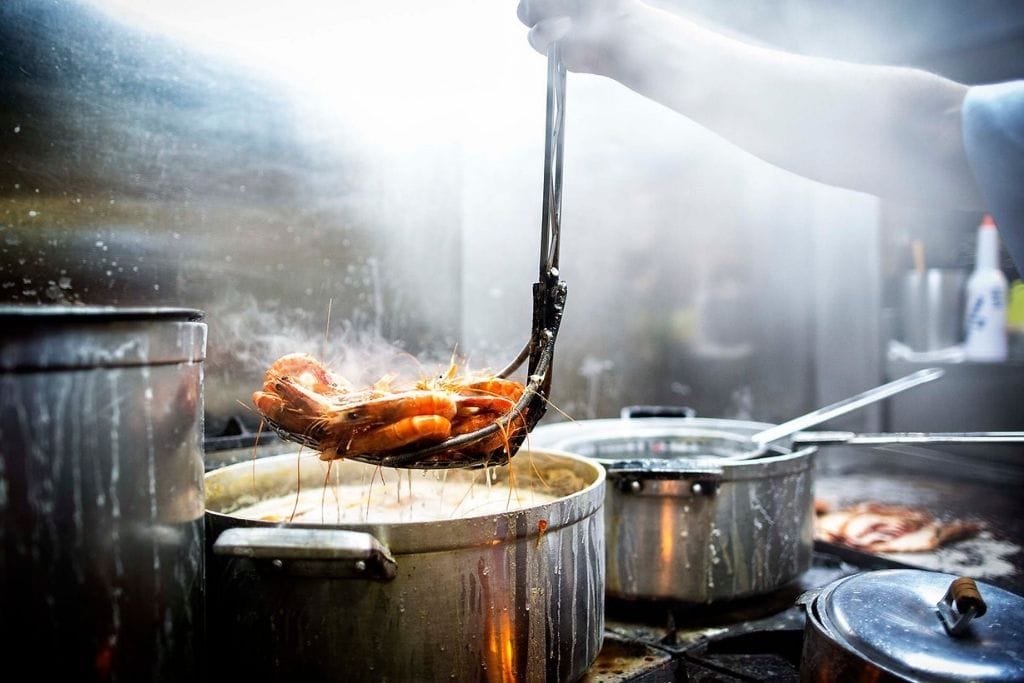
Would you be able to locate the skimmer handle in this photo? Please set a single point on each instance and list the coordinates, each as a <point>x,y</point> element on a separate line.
<point>554,132</point>
<point>846,405</point>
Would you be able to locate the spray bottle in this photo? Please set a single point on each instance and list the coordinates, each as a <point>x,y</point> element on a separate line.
<point>985,315</point>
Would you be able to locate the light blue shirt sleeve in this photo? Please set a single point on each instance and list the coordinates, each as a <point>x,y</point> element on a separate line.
<point>993,126</point>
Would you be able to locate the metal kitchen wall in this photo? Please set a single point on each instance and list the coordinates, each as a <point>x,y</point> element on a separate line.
<point>379,164</point>
<point>145,165</point>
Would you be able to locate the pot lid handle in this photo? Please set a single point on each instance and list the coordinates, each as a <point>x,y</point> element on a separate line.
<point>961,603</point>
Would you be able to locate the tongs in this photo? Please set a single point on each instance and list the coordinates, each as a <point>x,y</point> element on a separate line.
<point>548,303</point>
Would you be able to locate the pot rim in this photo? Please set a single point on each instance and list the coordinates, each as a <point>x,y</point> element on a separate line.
<point>59,338</point>
<point>405,537</point>
<point>11,313</point>
<point>575,436</point>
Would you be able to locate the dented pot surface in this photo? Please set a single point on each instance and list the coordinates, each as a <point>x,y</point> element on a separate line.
<point>683,523</point>
<point>516,595</point>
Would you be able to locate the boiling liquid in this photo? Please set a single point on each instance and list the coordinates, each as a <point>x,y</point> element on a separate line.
<point>412,498</point>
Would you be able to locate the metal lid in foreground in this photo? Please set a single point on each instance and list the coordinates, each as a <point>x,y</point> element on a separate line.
<point>901,620</point>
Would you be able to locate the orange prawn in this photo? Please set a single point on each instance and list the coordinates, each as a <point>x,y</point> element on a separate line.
<point>306,371</point>
<point>418,429</point>
<point>302,397</point>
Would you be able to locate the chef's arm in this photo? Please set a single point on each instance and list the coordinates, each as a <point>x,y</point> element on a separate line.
<point>890,131</point>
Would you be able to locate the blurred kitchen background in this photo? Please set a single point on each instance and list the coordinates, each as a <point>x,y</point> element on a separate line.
<point>362,180</point>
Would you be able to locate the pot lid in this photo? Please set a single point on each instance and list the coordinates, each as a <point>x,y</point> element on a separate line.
<point>919,625</point>
<point>59,338</point>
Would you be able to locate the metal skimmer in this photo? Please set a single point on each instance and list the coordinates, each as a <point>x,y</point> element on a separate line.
<point>548,303</point>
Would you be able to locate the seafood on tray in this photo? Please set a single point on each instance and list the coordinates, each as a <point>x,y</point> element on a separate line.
<point>878,527</point>
<point>306,402</point>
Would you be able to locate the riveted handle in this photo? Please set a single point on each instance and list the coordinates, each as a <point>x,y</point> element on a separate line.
<point>960,605</point>
<point>638,411</point>
<point>330,553</point>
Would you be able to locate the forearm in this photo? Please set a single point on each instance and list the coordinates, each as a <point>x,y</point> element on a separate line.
<point>893,132</point>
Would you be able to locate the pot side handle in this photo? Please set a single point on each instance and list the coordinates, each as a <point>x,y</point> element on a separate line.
<point>638,411</point>
<point>334,553</point>
<point>658,478</point>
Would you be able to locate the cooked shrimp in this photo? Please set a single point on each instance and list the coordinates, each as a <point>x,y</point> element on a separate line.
<point>301,397</point>
<point>306,371</point>
<point>418,429</point>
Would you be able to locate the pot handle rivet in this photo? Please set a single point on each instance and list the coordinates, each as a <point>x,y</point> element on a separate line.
<point>337,553</point>
<point>636,486</point>
<point>697,488</point>
<point>960,605</point>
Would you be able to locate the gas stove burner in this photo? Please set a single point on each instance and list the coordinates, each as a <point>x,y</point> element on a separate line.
<point>755,638</point>
<point>754,656</point>
<point>623,659</point>
<point>684,616</point>
<point>678,617</point>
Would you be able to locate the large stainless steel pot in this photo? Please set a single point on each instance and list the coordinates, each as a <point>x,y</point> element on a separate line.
<point>101,492</point>
<point>515,595</point>
<point>683,522</point>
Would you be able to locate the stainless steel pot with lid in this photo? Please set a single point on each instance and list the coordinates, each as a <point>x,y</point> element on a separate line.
<point>912,625</point>
<point>101,492</point>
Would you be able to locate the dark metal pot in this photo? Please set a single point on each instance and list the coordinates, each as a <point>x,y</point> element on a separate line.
<point>912,625</point>
<point>508,595</point>
<point>683,523</point>
<point>101,492</point>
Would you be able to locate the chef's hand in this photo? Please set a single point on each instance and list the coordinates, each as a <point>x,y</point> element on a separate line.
<point>891,131</point>
<point>590,31</point>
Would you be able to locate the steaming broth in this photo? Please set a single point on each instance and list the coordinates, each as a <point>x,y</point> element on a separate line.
<point>413,500</point>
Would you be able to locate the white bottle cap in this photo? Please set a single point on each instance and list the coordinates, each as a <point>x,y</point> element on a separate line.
<point>987,255</point>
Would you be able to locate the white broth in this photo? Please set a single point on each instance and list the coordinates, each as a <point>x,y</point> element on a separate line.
<point>420,497</point>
